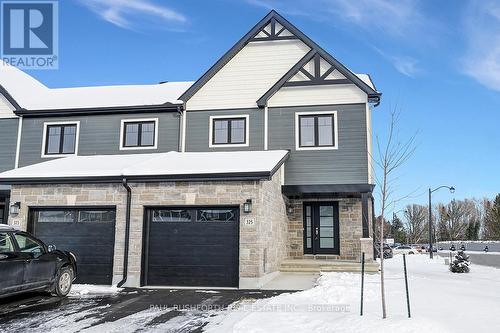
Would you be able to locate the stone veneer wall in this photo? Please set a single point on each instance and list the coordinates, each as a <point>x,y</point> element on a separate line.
<point>261,244</point>
<point>350,224</point>
<point>76,195</point>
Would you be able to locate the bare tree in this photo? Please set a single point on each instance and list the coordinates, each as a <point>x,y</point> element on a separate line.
<point>456,217</point>
<point>415,222</point>
<point>392,154</point>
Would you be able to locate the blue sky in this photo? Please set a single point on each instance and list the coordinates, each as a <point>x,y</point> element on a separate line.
<point>437,61</point>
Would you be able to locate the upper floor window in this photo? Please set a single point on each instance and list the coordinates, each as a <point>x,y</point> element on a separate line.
<point>60,139</point>
<point>229,131</point>
<point>139,134</point>
<point>316,130</point>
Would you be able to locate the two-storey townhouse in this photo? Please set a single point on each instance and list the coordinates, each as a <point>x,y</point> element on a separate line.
<point>265,158</point>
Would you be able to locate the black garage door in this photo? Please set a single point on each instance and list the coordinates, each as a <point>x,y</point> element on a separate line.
<point>87,232</point>
<point>191,247</point>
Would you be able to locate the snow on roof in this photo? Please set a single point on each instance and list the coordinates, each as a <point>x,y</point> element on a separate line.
<point>158,164</point>
<point>366,79</point>
<point>33,95</point>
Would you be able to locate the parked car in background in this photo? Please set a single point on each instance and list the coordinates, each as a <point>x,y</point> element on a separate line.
<point>387,251</point>
<point>404,249</point>
<point>27,264</point>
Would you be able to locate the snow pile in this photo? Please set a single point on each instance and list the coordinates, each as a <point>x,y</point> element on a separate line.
<point>92,289</point>
<point>440,301</point>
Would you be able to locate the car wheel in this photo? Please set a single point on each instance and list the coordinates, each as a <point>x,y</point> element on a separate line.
<point>63,283</point>
<point>411,252</point>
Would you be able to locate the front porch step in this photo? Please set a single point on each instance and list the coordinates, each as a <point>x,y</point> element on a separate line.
<point>322,265</point>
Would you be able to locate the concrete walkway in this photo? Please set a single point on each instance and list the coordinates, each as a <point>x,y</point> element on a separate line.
<point>292,281</point>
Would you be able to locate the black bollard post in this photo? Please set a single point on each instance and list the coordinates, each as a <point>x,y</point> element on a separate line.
<point>362,280</point>
<point>406,284</point>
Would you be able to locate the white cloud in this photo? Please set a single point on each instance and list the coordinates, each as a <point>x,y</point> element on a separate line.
<point>129,13</point>
<point>406,65</point>
<point>482,31</point>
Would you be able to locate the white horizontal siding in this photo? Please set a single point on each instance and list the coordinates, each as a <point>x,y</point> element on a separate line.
<point>318,95</point>
<point>6,109</point>
<point>248,75</point>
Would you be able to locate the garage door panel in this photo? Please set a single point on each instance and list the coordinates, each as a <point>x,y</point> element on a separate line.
<point>193,253</point>
<point>91,242</point>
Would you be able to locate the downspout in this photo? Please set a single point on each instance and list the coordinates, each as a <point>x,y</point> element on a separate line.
<point>181,120</point>
<point>127,232</point>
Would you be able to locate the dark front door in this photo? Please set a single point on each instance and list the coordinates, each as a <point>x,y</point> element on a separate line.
<point>321,228</point>
<point>87,232</point>
<point>191,246</point>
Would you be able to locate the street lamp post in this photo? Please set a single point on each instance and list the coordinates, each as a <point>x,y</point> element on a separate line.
<point>452,190</point>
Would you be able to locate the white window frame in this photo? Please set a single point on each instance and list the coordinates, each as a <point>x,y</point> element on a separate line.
<point>229,145</point>
<point>44,138</point>
<point>312,113</point>
<point>122,130</point>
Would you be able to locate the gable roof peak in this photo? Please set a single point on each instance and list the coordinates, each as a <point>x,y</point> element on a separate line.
<point>292,33</point>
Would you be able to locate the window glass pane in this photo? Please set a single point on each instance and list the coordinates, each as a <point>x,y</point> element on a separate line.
<point>308,243</point>
<point>238,131</point>
<point>67,216</point>
<point>326,210</point>
<point>2,212</point>
<point>308,232</point>
<point>131,135</point>
<point>326,221</point>
<point>326,231</point>
<point>171,215</point>
<point>325,131</point>
<point>308,210</point>
<point>221,131</point>
<point>308,221</point>
<point>69,140</point>
<point>148,134</point>
<point>5,243</point>
<point>216,215</point>
<point>306,131</point>
<point>53,139</point>
<point>102,216</point>
<point>326,242</point>
<point>27,244</point>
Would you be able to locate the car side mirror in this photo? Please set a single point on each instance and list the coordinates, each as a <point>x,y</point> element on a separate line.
<point>51,248</point>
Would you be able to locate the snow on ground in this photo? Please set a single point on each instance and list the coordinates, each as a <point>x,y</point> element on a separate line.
<point>440,302</point>
<point>92,289</point>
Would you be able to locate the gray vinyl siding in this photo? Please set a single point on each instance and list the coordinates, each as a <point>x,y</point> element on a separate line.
<point>198,125</point>
<point>8,143</point>
<point>99,135</point>
<point>346,165</point>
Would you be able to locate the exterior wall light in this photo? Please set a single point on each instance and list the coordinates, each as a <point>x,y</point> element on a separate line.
<point>15,208</point>
<point>247,206</point>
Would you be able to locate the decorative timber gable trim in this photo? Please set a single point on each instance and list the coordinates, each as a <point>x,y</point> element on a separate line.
<point>275,27</point>
<point>273,31</point>
<point>316,71</point>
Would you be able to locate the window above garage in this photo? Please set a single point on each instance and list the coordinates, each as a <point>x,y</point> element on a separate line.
<point>228,131</point>
<point>60,139</point>
<point>139,134</point>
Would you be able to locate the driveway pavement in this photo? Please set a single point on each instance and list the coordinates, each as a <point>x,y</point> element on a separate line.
<point>159,310</point>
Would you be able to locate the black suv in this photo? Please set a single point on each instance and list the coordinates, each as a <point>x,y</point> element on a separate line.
<point>27,264</point>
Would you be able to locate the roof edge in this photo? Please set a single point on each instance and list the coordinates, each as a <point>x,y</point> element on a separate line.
<point>98,110</point>
<point>9,98</point>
